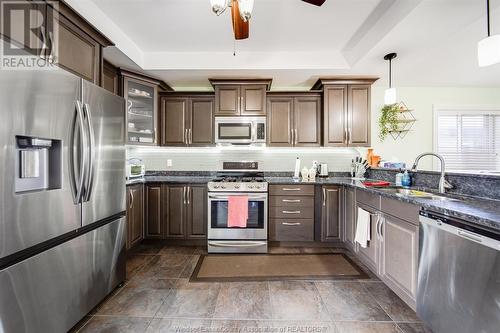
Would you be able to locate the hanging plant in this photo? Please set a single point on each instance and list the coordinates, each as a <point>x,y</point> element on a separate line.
<point>388,121</point>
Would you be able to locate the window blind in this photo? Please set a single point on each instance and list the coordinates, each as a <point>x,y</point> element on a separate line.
<point>468,140</point>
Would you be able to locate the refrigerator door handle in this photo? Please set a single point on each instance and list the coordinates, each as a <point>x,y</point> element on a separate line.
<point>91,151</point>
<point>77,184</point>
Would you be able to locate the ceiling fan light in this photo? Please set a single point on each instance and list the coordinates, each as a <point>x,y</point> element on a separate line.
<point>390,96</point>
<point>488,51</point>
<point>219,6</point>
<point>246,8</point>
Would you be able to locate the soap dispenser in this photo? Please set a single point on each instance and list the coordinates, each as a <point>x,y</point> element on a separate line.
<point>406,180</point>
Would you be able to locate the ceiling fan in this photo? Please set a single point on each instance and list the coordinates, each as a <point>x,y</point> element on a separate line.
<point>241,12</point>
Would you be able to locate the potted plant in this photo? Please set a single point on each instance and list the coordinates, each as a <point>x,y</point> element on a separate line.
<point>388,121</point>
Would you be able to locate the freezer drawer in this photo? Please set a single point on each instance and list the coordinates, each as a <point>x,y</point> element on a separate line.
<point>53,290</point>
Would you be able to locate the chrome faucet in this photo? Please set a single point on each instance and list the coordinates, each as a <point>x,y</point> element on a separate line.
<point>443,183</point>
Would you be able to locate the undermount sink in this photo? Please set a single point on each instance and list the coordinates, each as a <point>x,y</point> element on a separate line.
<point>414,193</point>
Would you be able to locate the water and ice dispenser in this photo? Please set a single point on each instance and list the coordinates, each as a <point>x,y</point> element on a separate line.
<point>38,164</point>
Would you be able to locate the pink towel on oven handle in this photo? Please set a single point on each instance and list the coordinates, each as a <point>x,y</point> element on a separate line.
<point>237,211</point>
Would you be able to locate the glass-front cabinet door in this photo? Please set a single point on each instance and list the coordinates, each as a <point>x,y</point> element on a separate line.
<point>141,108</point>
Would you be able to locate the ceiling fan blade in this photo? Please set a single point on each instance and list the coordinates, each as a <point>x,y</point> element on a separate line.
<point>315,2</point>
<point>240,27</point>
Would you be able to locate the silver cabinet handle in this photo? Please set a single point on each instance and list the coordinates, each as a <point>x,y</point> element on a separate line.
<point>291,200</point>
<point>291,134</point>
<point>346,136</point>
<point>189,195</point>
<point>184,194</point>
<point>295,137</point>
<point>185,136</point>
<point>350,136</point>
<point>324,196</point>
<point>131,199</point>
<point>290,223</point>
<point>291,211</point>
<point>291,189</point>
<point>190,136</point>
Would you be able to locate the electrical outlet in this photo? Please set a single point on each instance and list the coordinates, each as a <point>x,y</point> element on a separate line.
<point>169,163</point>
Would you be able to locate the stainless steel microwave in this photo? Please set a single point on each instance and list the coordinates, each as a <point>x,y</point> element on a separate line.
<point>240,130</point>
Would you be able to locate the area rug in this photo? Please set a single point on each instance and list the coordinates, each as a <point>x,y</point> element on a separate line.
<point>262,267</point>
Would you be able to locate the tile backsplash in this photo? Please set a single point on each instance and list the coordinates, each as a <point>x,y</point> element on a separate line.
<point>270,159</point>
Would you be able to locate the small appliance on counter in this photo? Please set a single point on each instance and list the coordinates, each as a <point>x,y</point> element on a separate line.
<point>135,168</point>
<point>323,170</point>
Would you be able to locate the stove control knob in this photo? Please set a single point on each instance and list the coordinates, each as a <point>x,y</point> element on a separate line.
<point>257,187</point>
<point>236,186</point>
<point>216,186</point>
<point>250,186</point>
<point>223,186</point>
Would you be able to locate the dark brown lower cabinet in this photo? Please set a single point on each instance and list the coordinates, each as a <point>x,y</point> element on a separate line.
<point>350,216</point>
<point>153,211</point>
<point>331,213</point>
<point>135,213</point>
<point>196,217</point>
<point>186,211</point>
<point>399,256</point>
<point>291,213</point>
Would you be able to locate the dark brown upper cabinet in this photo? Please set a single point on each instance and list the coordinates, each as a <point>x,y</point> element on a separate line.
<point>187,120</point>
<point>294,120</point>
<point>141,103</point>
<point>70,41</point>
<point>110,77</point>
<point>240,97</point>
<point>346,111</point>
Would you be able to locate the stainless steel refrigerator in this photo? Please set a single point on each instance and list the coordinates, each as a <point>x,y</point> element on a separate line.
<point>62,198</point>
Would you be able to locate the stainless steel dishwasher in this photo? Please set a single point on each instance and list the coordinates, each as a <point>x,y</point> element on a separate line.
<point>458,276</point>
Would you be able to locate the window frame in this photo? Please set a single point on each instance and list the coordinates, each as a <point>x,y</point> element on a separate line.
<point>438,110</point>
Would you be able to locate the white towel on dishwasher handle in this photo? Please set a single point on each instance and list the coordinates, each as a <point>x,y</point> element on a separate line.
<point>363,231</point>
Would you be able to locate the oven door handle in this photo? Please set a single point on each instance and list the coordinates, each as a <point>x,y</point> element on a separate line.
<point>225,197</point>
<point>236,244</point>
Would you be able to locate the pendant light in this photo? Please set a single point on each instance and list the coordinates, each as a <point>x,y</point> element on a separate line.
<point>488,49</point>
<point>390,93</point>
<point>246,8</point>
<point>219,6</point>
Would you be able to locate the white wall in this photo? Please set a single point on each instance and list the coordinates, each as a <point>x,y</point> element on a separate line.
<point>422,100</point>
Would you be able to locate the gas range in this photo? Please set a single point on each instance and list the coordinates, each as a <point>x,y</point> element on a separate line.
<point>238,184</point>
<point>239,177</point>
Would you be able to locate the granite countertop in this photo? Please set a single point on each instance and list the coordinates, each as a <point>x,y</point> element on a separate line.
<point>483,212</point>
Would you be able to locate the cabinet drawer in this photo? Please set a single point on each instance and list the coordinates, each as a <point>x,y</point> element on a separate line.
<point>368,198</point>
<point>285,230</point>
<point>291,212</point>
<point>400,209</point>
<point>288,190</point>
<point>290,201</point>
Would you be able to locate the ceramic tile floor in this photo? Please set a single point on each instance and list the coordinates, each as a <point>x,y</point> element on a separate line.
<point>158,297</point>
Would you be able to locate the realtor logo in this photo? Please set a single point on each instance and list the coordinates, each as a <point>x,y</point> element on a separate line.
<point>29,33</point>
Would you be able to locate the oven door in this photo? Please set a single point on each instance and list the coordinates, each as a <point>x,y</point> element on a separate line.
<point>217,217</point>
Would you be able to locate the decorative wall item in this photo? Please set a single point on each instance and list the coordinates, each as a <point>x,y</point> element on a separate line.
<point>395,119</point>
